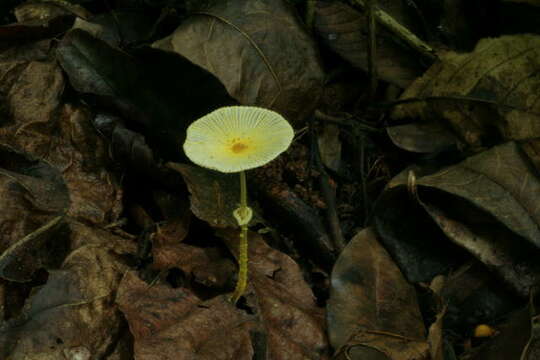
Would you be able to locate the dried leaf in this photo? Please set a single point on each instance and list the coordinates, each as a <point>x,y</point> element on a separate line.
<point>435,337</point>
<point>61,135</point>
<point>207,266</point>
<point>161,91</point>
<point>169,323</point>
<point>487,205</point>
<point>119,28</point>
<point>32,193</point>
<point>283,321</point>
<point>214,195</point>
<point>72,311</point>
<point>330,147</point>
<point>371,306</point>
<point>39,249</point>
<point>531,350</point>
<point>486,96</point>
<point>430,137</point>
<point>284,302</point>
<point>39,20</point>
<point>344,30</point>
<point>40,10</point>
<point>259,50</point>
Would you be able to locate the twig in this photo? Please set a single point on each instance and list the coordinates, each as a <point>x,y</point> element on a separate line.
<point>329,198</point>
<point>372,48</point>
<point>401,31</point>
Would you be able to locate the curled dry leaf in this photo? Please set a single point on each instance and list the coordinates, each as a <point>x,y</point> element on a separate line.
<point>344,30</point>
<point>486,205</point>
<point>371,306</point>
<point>486,96</point>
<point>260,52</point>
<point>73,309</point>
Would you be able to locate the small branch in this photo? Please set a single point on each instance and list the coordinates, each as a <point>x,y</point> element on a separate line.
<point>329,196</point>
<point>400,31</point>
<point>372,48</point>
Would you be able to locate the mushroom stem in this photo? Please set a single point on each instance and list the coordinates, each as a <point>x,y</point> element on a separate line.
<point>245,214</point>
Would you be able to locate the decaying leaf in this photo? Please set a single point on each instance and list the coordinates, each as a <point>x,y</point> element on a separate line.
<point>45,10</point>
<point>62,136</point>
<point>259,50</point>
<point>371,306</point>
<point>283,321</point>
<point>422,137</point>
<point>282,300</point>
<point>485,97</point>
<point>344,30</point>
<point>162,92</point>
<point>32,193</point>
<point>487,205</point>
<point>118,28</point>
<point>174,324</point>
<point>73,309</point>
<point>330,147</point>
<point>40,249</point>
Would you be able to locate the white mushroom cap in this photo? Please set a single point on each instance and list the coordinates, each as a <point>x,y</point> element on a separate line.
<point>237,138</point>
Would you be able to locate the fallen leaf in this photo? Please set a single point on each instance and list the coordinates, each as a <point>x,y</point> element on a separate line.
<point>371,306</point>
<point>32,193</point>
<point>485,97</point>
<point>271,61</point>
<point>169,323</point>
<point>119,28</point>
<point>283,320</point>
<point>283,301</point>
<point>486,205</point>
<point>61,135</point>
<point>163,92</point>
<point>330,147</point>
<point>214,195</point>
<point>344,30</point>
<point>422,137</point>
<point>37,250</point>
<point>73,309</point>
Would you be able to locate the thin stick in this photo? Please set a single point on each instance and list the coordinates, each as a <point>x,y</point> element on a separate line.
<point>372,48</point>
<point>401,31</point>
<point>329,196</point>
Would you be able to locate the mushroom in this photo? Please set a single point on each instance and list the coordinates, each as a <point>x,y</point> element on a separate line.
<point>235,139</point>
